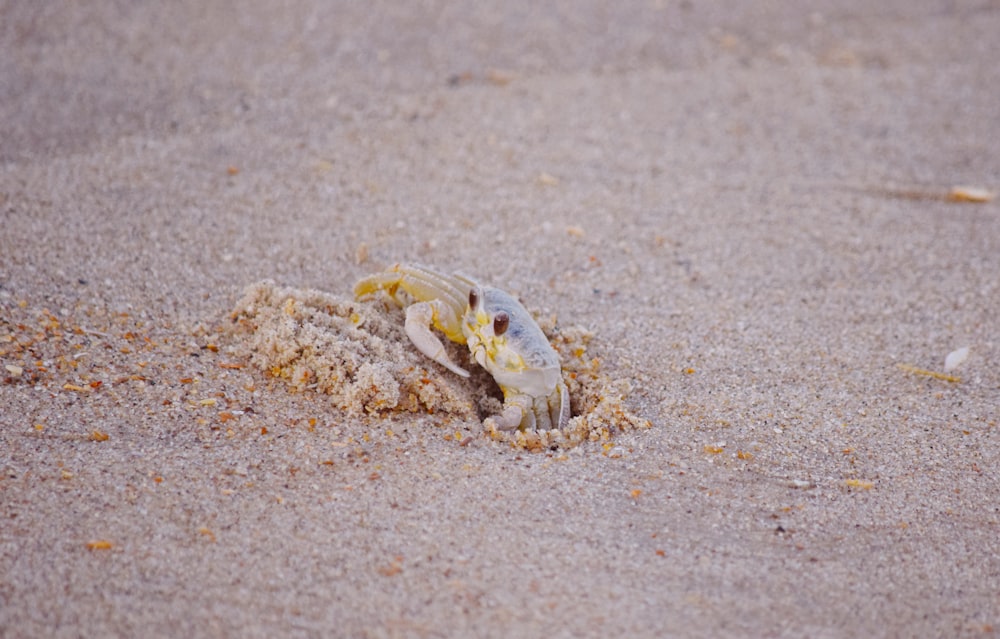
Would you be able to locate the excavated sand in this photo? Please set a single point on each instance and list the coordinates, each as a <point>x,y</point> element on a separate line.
<point>357,353</point>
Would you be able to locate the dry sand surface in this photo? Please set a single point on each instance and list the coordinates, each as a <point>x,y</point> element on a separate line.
<point>748,205</point>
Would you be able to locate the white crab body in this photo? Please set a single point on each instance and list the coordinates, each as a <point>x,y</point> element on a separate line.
<point>501,335</point>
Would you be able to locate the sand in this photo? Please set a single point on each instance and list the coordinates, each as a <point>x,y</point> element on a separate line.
<point>749,207</point>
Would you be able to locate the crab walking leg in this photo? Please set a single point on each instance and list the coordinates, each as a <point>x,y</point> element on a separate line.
<point>449,292</point>
<point>552,411</point>
<point>534,413</point>
<point>543,416</point>
<point>558,405</point>
<point>419,318</point>
<point>517,410</point>
<point>386,281</point>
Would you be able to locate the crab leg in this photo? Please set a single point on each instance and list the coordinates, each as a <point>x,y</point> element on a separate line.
<point>517,408</point>
<point>560,411</point>
<point>552,411</point>
<point>426,285</point>
<point>534,413</point>
<point>441,301</point>
<point>450,292</point>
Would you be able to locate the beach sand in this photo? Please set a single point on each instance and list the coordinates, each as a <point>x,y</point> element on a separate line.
<point>751,208</point>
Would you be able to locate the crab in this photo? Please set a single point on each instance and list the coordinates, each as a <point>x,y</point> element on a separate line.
<point>501,335</point>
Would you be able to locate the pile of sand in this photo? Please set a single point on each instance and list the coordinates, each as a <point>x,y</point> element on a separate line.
<point>358,354</point>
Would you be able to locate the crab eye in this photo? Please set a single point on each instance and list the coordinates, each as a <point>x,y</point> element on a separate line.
<point>473,298</point>
<point>500,323</point>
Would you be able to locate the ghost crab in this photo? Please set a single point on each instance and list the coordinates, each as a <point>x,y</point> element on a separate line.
<point>501,334</point>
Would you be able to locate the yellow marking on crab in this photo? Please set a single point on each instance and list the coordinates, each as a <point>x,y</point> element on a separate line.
<point>500,333</point>
<point>482,319</point>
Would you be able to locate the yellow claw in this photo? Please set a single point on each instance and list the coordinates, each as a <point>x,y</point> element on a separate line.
<point>501,334</point>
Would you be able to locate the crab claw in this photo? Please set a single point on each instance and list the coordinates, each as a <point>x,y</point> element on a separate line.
<point>419,318</point>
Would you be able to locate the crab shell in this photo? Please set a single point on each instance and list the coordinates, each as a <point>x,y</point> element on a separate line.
<point>521,358</point>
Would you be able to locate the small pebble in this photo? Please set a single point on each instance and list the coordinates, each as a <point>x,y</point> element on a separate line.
<point>955,358</point>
